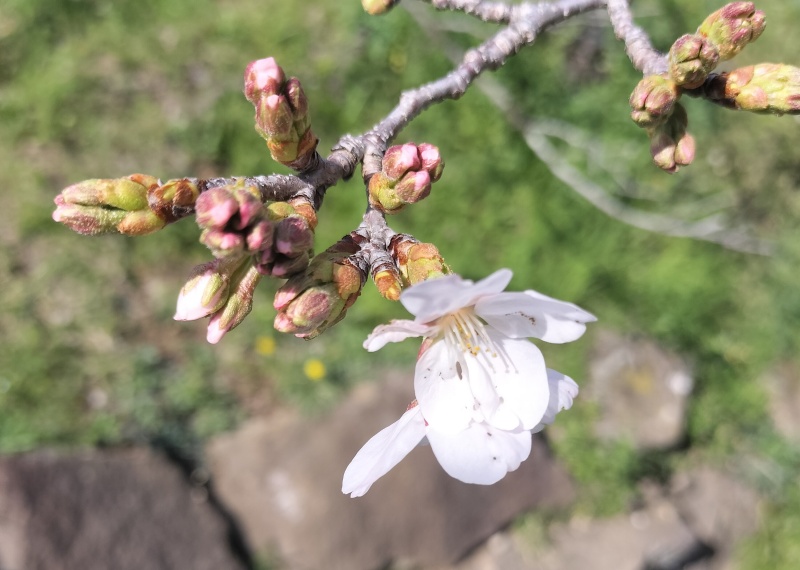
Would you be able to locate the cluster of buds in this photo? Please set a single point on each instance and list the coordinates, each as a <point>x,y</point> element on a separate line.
<point>375,7</point>
<point>655,108</point>
<point>134,205</point>
<point>670,145</point>
<point>249,239</point>
<point>233,220</point>
<point>764,88</point>
<point>281,113</point>
<point>222,290</point>
<point>720,37</point>
<point>692,58</point>
<point>315,300</point>
<point>278,235</point>
<point>406,175</point>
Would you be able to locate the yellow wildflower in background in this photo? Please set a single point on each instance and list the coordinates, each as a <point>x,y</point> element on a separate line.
<point>265,345</point>
<point>314,369</point>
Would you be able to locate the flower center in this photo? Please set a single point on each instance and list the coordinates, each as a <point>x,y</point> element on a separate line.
<point>464,330</point>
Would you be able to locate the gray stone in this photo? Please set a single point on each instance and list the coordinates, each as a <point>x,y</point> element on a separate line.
<point>651,537</point>
<point>93,510</point>
<point>501,552</point>
<point>719,509</point>
<point>641,389</point>
<point>281,477</point>
<point>783,388</point>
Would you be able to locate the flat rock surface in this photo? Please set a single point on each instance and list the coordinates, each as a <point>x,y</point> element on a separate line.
<point>642,391</point>
<point>281,478</point>
<point>99,510</point>
<point>720,509</point>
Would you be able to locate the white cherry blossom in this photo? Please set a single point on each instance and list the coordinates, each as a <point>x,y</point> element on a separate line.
<point>481,386</point>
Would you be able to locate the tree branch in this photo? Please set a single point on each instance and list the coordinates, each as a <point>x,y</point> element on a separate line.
<point>640,50</point>
<point>709,229</point>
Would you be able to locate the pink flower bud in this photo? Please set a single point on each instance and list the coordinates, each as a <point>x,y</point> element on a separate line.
<point>315,300</point>
<point>293,236</point>
<point>400,159</point>
<point>413,187</point>
<point>215,208</point>
<point>236,307</point>
<point>262,77</point>
<point>431,160</point>
<point>206,290</point>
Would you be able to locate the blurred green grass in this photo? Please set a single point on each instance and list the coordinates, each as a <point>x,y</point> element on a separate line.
<point>90,355</point>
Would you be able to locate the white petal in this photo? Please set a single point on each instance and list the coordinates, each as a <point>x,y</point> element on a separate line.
<point>385,450</point>
<point>490,406</point>
<point>432,299</point>
<point>480,454</point>
<point>531,314</point>
<point>445,399</point>
<point>395,331</point>
<point>563,391</point>
<point>518,375</point>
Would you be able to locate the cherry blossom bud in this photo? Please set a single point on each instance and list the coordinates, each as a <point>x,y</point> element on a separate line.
<point>389,282</point>
<point>263,76</point>
<point>207,289</point>
<point>405,177</point>
<point>732,27</point>
<point>281,114</point>
<point>375,7</point>
<point>233,220</point>
<point>311,302</point>
<point>293,239</point>
<point>431,160</point>
<point>413,187</point>
<point>691,59</point>
<point>101,206</point>
<point>416,261</point>
<point>400,159</point>
<point>237,306</point>
<point>764,88</point>
<point>652,100</point>
<point>174,199</point>
<point>298,103</point>
<point>670,144</point>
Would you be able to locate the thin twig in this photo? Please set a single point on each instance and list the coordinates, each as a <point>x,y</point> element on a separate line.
<point>640,50</point>
<point>709,229</point>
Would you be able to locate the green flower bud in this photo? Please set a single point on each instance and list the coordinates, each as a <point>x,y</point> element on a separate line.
<point>311,302</point>
<point>670,145</point>
<point>101,206</point>
<point>691,59</point>
<point>765,88</point>
<point>237,306</point>
<point>652,100</point>
<point>416,261</point>
<point>732,27</point>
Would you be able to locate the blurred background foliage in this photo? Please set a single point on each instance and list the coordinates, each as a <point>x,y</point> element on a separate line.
<point>93,88</point>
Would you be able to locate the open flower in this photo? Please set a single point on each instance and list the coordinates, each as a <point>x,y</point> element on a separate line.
<point>481,386</point>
